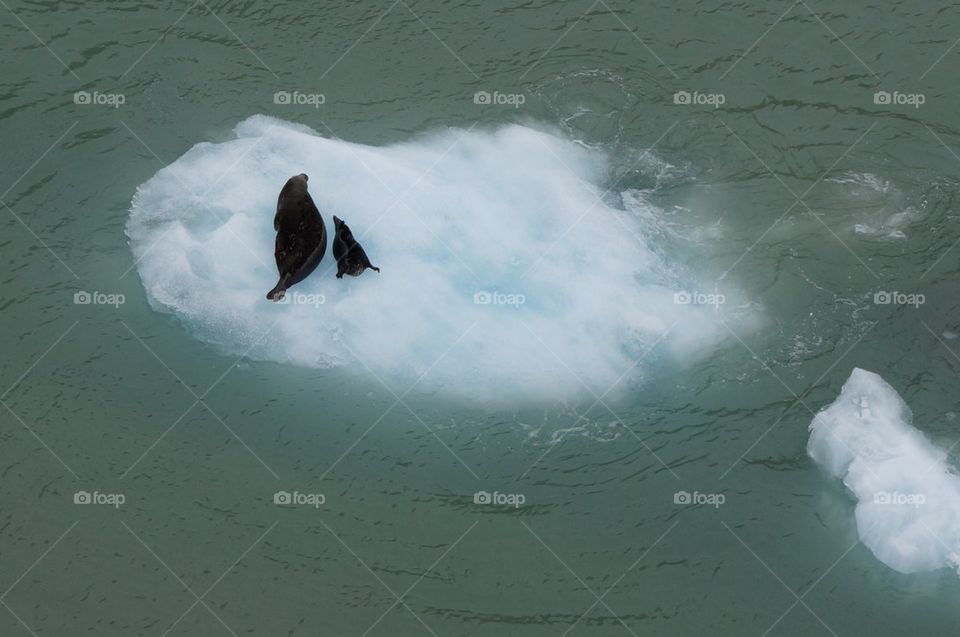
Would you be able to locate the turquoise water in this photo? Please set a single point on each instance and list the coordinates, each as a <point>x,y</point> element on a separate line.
<point>195,423</point>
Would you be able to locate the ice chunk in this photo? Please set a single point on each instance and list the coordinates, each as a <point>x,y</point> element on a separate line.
<point>506,269</point>
<point>908,498</point>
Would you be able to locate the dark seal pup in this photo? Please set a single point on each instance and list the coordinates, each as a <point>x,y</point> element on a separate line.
<point>351,259</point>
<point>301,235</point>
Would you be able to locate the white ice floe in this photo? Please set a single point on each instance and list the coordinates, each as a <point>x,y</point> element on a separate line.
<point>908,497</point>
<point>507,269</point>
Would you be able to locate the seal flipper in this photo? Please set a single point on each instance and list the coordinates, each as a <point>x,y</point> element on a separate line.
<point>276,294</point>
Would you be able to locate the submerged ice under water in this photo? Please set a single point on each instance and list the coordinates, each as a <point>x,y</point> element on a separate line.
<point>506,270</point>
<point>908,498</point>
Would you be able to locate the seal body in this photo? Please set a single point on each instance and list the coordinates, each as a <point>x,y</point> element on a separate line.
<point>301,235</point>
<point>351,259</point>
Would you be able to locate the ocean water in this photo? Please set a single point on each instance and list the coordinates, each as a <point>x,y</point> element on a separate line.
<point>628,253</point>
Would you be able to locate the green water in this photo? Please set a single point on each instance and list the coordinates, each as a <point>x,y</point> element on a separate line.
<point>126,401</point>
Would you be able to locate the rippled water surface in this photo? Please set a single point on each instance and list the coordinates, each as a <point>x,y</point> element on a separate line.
<point>797,161</point>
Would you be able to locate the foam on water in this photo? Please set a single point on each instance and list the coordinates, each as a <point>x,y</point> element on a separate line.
<point>884,209</point>
<point>458,222</point>
<point>908,498</point>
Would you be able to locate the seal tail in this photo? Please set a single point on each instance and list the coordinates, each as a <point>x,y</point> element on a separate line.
<point>276,294</point>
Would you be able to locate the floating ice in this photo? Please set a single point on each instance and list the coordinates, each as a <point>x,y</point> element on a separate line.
<point>908,509</point>
<point>507,270</point>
